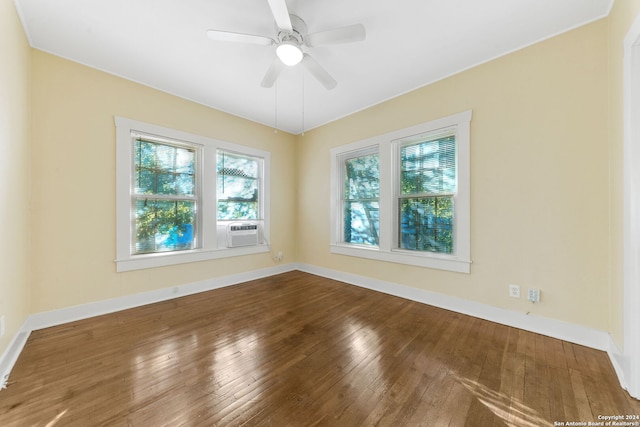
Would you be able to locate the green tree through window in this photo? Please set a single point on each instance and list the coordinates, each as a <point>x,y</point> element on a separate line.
<point>361,200</point>
<point>427,185</point>
<point>238,186</point>
<point>164,196</point>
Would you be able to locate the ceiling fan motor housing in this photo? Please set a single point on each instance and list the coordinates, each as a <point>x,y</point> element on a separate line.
<point>297,35</point>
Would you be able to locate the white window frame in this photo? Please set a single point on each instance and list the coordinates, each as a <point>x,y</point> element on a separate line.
<point>387,147</point>
<point>211,243</point>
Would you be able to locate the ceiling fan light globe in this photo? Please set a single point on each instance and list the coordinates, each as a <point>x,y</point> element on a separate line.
<point>289,54</point>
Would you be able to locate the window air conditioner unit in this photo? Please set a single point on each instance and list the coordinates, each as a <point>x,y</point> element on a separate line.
<point>243,234</point>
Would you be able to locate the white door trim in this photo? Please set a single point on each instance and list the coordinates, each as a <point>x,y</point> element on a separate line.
<point>631,208</point>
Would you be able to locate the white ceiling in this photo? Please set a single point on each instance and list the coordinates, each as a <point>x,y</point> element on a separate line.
<point>409,44</point>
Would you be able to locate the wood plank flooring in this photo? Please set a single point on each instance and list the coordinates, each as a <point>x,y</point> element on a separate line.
<point>301,350</point>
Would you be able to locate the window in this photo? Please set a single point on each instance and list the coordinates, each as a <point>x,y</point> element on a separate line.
<point>238,185</point>
<point>177,192</point>
<point>164,195</point>
<point>425,193</point>
<point>405,196</point>
<point>360,199</point>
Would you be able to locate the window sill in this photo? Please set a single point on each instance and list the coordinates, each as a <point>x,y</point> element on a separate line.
<point>139,262</point>
<point>440,262</point>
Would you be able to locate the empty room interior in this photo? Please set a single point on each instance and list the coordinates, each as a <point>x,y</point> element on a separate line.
<point>428,217</point>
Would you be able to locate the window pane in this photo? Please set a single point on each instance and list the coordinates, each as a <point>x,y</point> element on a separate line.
<point>164,225</point>
<point>165,157</point>
<point>145,154</point>
<point>185,161</point>
<point>237,186</point>
<point>228,210</point>
<point>232,164</point>
<point>361,193</point>
<point>362,178</point>
<point>361,223</point>
<point>145,182</point>
<point>166,183</point>
<point>429,167</point>
<point>163,169</point>
<point>426,224</point>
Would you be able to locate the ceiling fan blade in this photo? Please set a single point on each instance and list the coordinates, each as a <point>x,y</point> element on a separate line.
<point>348,34</point>
<point>318,72</point>
<point>228,36</point>
<point>281,14</point>
<point>272,73</point>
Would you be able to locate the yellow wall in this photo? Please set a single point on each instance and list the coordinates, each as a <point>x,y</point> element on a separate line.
<point>74,182</point>
<point>620,19</point>
<point>14,171</point>
<point>539,179</point>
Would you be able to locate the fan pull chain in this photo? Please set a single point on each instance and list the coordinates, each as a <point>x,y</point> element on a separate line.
<point>275,130</point>
<point>303,73</point>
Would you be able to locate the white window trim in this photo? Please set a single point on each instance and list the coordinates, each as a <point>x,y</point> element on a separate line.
<point>207,215</point>
<point>386,146</point>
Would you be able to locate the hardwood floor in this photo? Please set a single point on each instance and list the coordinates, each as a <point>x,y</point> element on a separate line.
<point>300,350</point>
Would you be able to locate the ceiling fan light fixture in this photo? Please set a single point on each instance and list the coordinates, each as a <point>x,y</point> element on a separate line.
<point>289,53</point>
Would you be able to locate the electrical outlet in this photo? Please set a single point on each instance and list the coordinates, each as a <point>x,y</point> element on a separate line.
<point>534,295</point>
<point>514,291</point>
<point>2,325</point>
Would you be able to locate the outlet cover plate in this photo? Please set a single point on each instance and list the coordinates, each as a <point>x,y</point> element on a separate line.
<point>534,295</point>
<point>514,291</point>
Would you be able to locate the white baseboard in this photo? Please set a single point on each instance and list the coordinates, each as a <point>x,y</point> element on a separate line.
<point>10,356</point>
<point>577,334</point>
<point>570,332</point>
<point>589,337</point>
<point>619,362</point>
<point>85,311</point>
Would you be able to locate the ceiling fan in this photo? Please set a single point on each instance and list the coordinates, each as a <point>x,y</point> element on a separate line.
<point>291,37</point>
